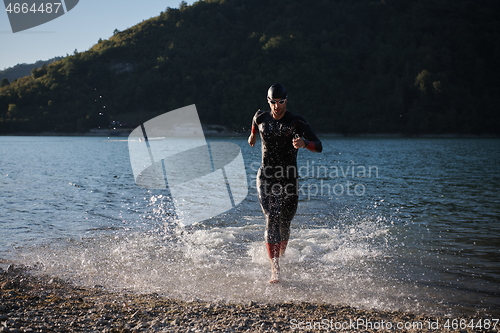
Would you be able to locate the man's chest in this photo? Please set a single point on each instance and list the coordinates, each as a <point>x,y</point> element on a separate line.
<point>273,128</point>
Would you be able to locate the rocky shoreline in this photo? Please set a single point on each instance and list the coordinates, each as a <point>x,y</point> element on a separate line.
<point>33,303</point>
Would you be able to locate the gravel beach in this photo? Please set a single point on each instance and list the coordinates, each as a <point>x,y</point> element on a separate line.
<point>33,303</point>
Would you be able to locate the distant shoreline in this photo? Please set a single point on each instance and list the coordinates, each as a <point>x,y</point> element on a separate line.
<point>125,133</point>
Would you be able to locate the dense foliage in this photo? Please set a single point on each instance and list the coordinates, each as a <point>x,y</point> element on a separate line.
<point>351,66</point>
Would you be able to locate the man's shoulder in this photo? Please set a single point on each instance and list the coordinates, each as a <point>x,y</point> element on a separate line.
<point>262,114</point>
<point>294,116</point>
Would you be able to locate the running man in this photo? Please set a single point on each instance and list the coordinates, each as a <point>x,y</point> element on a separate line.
<point>282,133</point>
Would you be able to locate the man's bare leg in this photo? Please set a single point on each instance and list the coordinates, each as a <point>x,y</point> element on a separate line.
<point>275,270</point>
<point>283,245</point>
<point>273,251</point>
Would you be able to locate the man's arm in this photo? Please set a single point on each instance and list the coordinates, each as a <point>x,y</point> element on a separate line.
<point>310,140</point>
<point>253,135</point>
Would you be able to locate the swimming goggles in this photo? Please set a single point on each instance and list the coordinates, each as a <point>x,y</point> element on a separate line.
<point>272,101</point>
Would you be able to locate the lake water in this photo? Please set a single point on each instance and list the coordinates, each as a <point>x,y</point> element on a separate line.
<point>391,224</point>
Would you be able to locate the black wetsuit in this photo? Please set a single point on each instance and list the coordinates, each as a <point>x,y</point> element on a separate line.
<point>277,183</point>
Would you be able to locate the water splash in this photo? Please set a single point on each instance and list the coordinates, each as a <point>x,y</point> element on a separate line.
<point>331,265</point>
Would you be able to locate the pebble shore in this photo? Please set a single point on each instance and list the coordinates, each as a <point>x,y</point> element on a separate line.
<point>33,303</point>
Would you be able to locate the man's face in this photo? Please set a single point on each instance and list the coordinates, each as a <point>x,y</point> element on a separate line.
<point>278,106</point>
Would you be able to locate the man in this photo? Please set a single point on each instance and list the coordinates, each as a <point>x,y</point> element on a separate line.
<point>282,133</point>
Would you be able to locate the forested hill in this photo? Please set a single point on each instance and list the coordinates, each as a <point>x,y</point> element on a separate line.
<point>21,70</point>
<point>351,66</point>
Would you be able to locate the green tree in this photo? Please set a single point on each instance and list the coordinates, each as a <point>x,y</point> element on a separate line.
<point>12,111</point>
<point>423,80</point>
<point>39,72</point>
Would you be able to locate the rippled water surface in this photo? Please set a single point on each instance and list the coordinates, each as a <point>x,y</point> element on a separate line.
<point>395,224</point>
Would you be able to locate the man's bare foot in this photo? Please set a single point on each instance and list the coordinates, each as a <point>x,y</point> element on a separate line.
<point>274,280</point>
<point>275,271</point>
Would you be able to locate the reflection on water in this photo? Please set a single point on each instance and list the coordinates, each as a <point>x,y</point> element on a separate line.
<point>419,232</point>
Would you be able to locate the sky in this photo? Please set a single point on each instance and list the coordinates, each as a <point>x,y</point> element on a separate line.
<point>78,29</point>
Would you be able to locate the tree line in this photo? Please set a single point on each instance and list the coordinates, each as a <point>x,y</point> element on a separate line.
<point>351,66</point>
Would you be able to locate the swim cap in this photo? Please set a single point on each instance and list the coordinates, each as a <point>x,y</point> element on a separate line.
<point>277,91</point>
